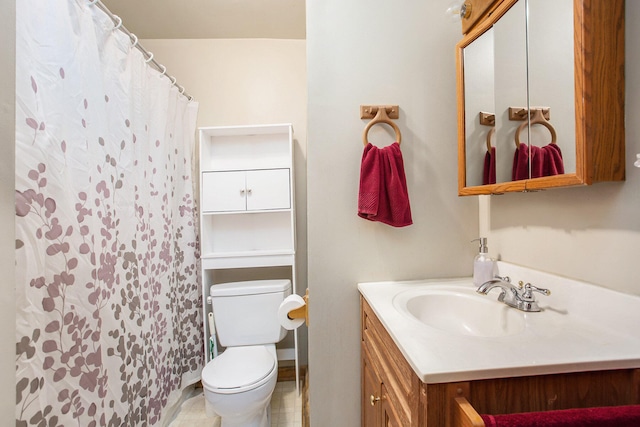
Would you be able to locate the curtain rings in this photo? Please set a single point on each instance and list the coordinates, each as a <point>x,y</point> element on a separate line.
<point>134,40</point>
<point>173,80</point>
<point>150,58</point>
<point>119,22</point>
<point>93,2</point>
<point>164,70</point>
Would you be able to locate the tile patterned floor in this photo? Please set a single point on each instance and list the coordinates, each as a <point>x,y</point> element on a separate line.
<point>286,409</point>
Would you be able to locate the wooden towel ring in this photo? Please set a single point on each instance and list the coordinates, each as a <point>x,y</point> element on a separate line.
<point>537,119</point>
<point>381,117</point>
<point>489,136</point>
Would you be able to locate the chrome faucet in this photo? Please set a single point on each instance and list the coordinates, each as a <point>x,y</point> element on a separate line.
<point>520,297</point>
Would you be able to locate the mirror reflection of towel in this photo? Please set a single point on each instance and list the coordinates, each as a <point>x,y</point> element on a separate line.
<point>383,194</point>
<point>489,172</point>
<point>545,161</point>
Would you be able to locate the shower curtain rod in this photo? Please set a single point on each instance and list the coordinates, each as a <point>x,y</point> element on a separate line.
<point>117,21</point>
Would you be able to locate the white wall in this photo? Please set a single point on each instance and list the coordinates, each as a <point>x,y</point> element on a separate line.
<point>7,214</point>
<point>589,233</point>
<point>240,81</point>
<point>243,82</point>
<point>376,52</point>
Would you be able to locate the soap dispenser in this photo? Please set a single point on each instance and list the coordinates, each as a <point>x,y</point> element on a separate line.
<point>484,266</point>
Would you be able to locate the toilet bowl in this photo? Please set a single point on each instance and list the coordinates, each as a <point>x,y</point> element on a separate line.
<point>239,383</point>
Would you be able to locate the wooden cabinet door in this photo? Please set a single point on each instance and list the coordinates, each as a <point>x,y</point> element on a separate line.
<point>268,189</point>
<point>370,395</point>
<point>223,191</point>
<point>389,417</point>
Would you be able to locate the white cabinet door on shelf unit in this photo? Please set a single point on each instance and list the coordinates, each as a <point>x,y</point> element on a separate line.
<point>253,190</point>
<point>223,191</point>
<point>268,189</point>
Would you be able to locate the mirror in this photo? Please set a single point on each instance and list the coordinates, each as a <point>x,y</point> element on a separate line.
<point>479,85</point>
<point>551,73</point>
<point>510,61</point>
<point>522,77</point>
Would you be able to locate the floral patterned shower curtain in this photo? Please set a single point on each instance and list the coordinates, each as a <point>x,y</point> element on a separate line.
<point>108,324</point>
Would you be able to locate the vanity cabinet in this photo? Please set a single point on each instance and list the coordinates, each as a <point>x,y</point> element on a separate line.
<point>247,215</point>
<point>562,58</point>
<point>390,388</point>
<point>406,401</point>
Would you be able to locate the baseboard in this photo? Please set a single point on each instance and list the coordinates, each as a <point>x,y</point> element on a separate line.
<point>286,373</point>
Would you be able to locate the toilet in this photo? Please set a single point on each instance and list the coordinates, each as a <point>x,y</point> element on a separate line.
<point>238,383</point>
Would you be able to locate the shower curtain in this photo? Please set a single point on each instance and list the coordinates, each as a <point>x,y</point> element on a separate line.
<point>108,310</point>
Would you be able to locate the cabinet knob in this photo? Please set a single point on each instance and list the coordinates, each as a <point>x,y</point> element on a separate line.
<point>248,191</point>
<point>373,400</point>
<point>242,192</point>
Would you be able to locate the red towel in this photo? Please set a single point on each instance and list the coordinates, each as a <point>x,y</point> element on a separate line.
<point>489,173</point>
<point>383,186</point>
<point>553,164</point>
<point>545,161</point>
<point>614,416</point>
<point>520,163</point>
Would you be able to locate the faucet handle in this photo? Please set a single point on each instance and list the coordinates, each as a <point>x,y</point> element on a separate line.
<point>529,288</point>
<point>504,279</point>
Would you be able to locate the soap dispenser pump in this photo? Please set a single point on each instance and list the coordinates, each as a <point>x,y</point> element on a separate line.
<point>483,265</point>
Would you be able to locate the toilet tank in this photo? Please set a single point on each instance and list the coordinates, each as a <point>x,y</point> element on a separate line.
<point>246,313</point>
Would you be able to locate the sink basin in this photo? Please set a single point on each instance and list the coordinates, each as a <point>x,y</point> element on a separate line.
<point>461,312</point>
<point>450,333</point>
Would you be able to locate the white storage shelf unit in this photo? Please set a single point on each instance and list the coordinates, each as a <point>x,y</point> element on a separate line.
<point>247,217</point>
<point>246,195</point>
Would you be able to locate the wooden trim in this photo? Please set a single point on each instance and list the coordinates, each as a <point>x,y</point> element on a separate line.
<point>305,399</point>
<point>480,9</point>
<point>599,53</point>
<point>464,415</point>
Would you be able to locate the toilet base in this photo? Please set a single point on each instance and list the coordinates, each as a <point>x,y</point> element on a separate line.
<point>259,420</point>
<point>242,407</point>
<point>248,409</point>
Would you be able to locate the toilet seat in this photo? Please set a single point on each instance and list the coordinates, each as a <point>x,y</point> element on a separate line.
<point>239,369</point>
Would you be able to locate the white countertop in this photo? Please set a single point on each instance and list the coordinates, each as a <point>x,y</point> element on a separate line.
<point>581,328</point>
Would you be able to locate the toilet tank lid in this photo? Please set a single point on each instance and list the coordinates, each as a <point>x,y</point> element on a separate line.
<point>251,287</point>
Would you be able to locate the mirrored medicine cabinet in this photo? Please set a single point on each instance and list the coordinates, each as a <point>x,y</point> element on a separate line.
<point>535,73</point>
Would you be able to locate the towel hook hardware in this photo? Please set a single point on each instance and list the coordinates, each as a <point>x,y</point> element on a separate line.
<point>487,119</point>
<point>380,114</point>
<point>536,119</point>
<point>520,113</point>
